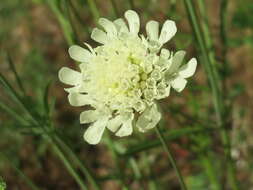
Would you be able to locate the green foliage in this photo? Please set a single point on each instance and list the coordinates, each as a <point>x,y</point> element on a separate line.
<point>243,17</point>
<point>242,20</point>
<point>2,184</point>
<point>197,182</point>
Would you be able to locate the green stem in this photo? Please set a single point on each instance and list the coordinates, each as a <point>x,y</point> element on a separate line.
<point>47,134</point>
<point>33,121</point>
<point>206,30</point>
<point>69,167</point>
<point>83,168</point>
<point>116,160</point>
<point>66,27</point>
<point>77,16</point>
<point>223,34</point>
<point>94,10</point>
<point>115,9</point>
<point>231,171</point>
<point>136,170</point>
<point>215,87</point>
<point>10,90</point>
<point>131,3</point>
<point>210,70</point>
<point>206,159</point>
<point>152,184</point>
<point>172,8</point>
<point>171,158</point>
<point>12,113</point>
<point>210,171</point>
<point>63,158</point>
<point>172,135</point>
<point>12,67</point>
<point>70,15</point>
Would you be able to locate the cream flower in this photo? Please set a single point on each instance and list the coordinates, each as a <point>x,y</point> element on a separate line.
<point>123,77</point>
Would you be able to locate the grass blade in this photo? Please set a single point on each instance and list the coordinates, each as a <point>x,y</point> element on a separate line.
<point>172,135</point>
<point>94,10</point>
<point>115,9</point>
<point>65,25</point>
<point>47,135</point>
<point>12,67</point>
<point>171,158</point>
<point>216,91</point>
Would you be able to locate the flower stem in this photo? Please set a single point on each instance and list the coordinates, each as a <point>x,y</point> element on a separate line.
<point>66,27</point>
<point>215,84</point>
<point>68,166</point>
<point>171,158</point>
<point>94,10</point>
<point>81,165</point>
<point>206,30</point>
<point>210,171</point>
<point>223,37</point>
<point>47,135</point>
<point>136,171</point>
<point>115,9</point>
<point>110,145</point>
<point>131,3</point>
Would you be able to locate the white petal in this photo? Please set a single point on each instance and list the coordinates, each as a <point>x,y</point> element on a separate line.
<point>72,89</point>
<point>77,99</point>
<point>152,29</point>
<point>79,54</point>
<point>163,93</point>
<point>114,124</point>
<point>121,25</point>
<point>80,88</point>
<point>188,69</point>
<point>167,92</point>
<point>165,53</point>
<point>133,21</point>
<point>178,83</point>
<point>94,133</point>
<point>89,116</point>
<point>176,61</point>
<point>69,76</point>
<point>125,130</point>
<point>149,118</point>
<point>108,26</point>
<point>169,29</point>
<point>99,36</point>
<point>90,48</point>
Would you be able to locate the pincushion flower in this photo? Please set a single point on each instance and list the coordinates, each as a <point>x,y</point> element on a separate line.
<point>122,78</point>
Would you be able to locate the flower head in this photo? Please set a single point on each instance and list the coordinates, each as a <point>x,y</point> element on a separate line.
<point>123,77</point>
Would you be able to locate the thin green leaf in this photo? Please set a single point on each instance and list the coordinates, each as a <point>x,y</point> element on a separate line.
<point>66,27</point>
<point>46,99</point>
<point>12,113</point>
<point>16,97</point>
<point>171,135</point>
<point>115,8</point>
<point>12,67</point>
<point>94,10</point>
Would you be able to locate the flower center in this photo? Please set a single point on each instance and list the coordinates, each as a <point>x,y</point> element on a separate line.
<point>119,72</point>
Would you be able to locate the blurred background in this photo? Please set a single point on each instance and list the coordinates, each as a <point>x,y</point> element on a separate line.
<point>41,143</point>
